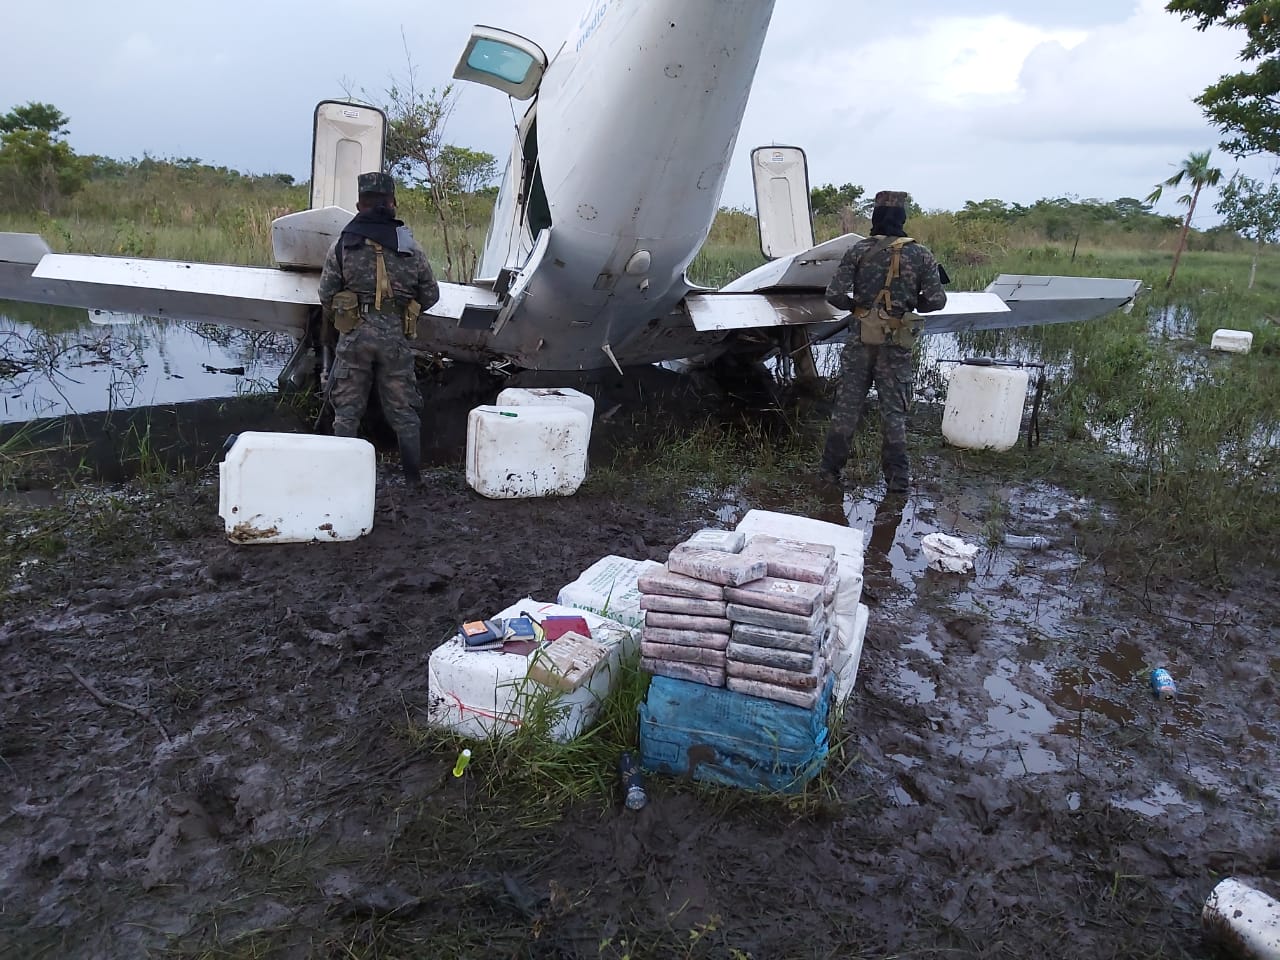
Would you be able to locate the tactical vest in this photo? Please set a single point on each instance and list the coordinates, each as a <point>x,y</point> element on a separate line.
<point>877,324</point>
<point>349,311</point>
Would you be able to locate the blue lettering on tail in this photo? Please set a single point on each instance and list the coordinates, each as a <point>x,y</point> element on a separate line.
<point>590,22</point>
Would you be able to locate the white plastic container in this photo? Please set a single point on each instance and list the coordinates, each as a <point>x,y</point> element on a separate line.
<point>610,588</point>
<point>296,488</point>
<point>542,396</point>
<point>520,452</point>
<point>984,407</point>
<point>1243,919</point>
<point>564,397</point>
<point>1232,341</point>
<point>484,694</point>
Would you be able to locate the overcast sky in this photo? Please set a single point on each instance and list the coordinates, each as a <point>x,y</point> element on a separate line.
<point>950,99</point>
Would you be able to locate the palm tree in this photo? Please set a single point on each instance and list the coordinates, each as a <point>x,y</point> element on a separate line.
<point>1196,170</point>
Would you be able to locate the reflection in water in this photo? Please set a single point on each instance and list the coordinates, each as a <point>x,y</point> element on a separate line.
<point>1158,801</point>
<point>56,361</point>
<point>916,687</point>
<point>1013,727</point>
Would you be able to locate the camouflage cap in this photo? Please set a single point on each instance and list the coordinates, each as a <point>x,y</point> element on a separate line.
<point>891,198</point>
<point>377,183</point>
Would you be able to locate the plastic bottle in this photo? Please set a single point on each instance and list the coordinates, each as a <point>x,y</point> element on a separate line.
<point>632,782</point>
<point>1018,542</point>
<point>460,767</point>
<point>1162,685</point>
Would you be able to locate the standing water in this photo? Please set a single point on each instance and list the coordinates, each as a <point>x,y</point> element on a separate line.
<point>58,361</point>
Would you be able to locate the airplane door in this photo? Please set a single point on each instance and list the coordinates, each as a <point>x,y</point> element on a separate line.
<point>519,288</point>
<point>347,140</point>
<point>781,176</point>
<point>502,60</point>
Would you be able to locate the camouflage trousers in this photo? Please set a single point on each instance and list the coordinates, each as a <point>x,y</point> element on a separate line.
<point>889,367</point>
<point>375,354</point>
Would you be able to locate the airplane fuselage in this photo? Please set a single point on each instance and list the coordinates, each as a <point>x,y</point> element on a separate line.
<point>636,120</point>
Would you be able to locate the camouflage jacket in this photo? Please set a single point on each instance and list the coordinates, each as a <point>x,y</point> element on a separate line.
<point>861,275</point>
<point>409,272</point>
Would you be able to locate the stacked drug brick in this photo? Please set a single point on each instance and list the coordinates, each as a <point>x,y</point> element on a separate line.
<point>754,616</point>
<point>783,623</point>
<point>686,626</point>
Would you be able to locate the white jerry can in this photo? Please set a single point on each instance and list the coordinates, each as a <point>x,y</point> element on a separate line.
<point>521,452</point>
<point>296,488</point>
<point>550,396</point>
<point>1232,341</point>
<point>543,396</point>
<point>984,407</point>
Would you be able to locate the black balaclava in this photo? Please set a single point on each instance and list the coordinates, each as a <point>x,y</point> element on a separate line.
<point>888,222</point>
<point>377,223</point>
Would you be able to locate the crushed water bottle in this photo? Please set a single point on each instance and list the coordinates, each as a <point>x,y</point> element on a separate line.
<point>632,782</point>
<point>1018,542</point>
<point>1162,685</point>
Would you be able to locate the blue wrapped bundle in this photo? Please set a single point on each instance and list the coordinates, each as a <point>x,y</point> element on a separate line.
<point>732,739</point>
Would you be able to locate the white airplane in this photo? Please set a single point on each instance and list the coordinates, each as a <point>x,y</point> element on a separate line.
<point>613,183</point>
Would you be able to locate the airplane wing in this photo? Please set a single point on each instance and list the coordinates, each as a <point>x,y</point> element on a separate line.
<point>252,298</point>
<point>791,291</point>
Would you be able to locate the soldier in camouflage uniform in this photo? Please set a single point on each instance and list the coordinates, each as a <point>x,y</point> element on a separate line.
<point>885,281</point>
<point>376,281</point>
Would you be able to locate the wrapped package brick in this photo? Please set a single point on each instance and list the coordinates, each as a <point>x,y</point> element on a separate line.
<point>667,584</point>
<point>791,560</point>
<point>686,605</point>
<point>681,621</point>
<point>779,678</point>
<point>773,593</point>
<point>673,652</point>
<point>795,660</point>
<point>791,622</point>
<point>754,688</point>
<point>686,638</point>
<point>709,538</point>
<point>755,636</point>
<point>708,676</point>
<point>726,569</point>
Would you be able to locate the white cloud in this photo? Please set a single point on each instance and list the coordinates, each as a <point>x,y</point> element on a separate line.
<point>955,108</point>
<point>953,100</point>
<point>1131,82</point>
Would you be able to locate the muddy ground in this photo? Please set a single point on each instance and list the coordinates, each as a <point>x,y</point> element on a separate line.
<point>249,775</point>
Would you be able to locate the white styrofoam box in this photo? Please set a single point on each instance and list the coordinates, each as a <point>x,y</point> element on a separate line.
<point>556,396</point>
<point>610,588</point>
<point>296,488</point>
<point>984,407</point>
<point>486,693</point>
<point>1232,341</point>
<point>848,654</point>
<point>847,541</point>
<point>534,451</point>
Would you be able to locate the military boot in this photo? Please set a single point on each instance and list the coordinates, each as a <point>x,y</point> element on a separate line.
<point>834,456</point>
<point>411,458</point>
<point>897,470</point>
<point>897,479</point>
